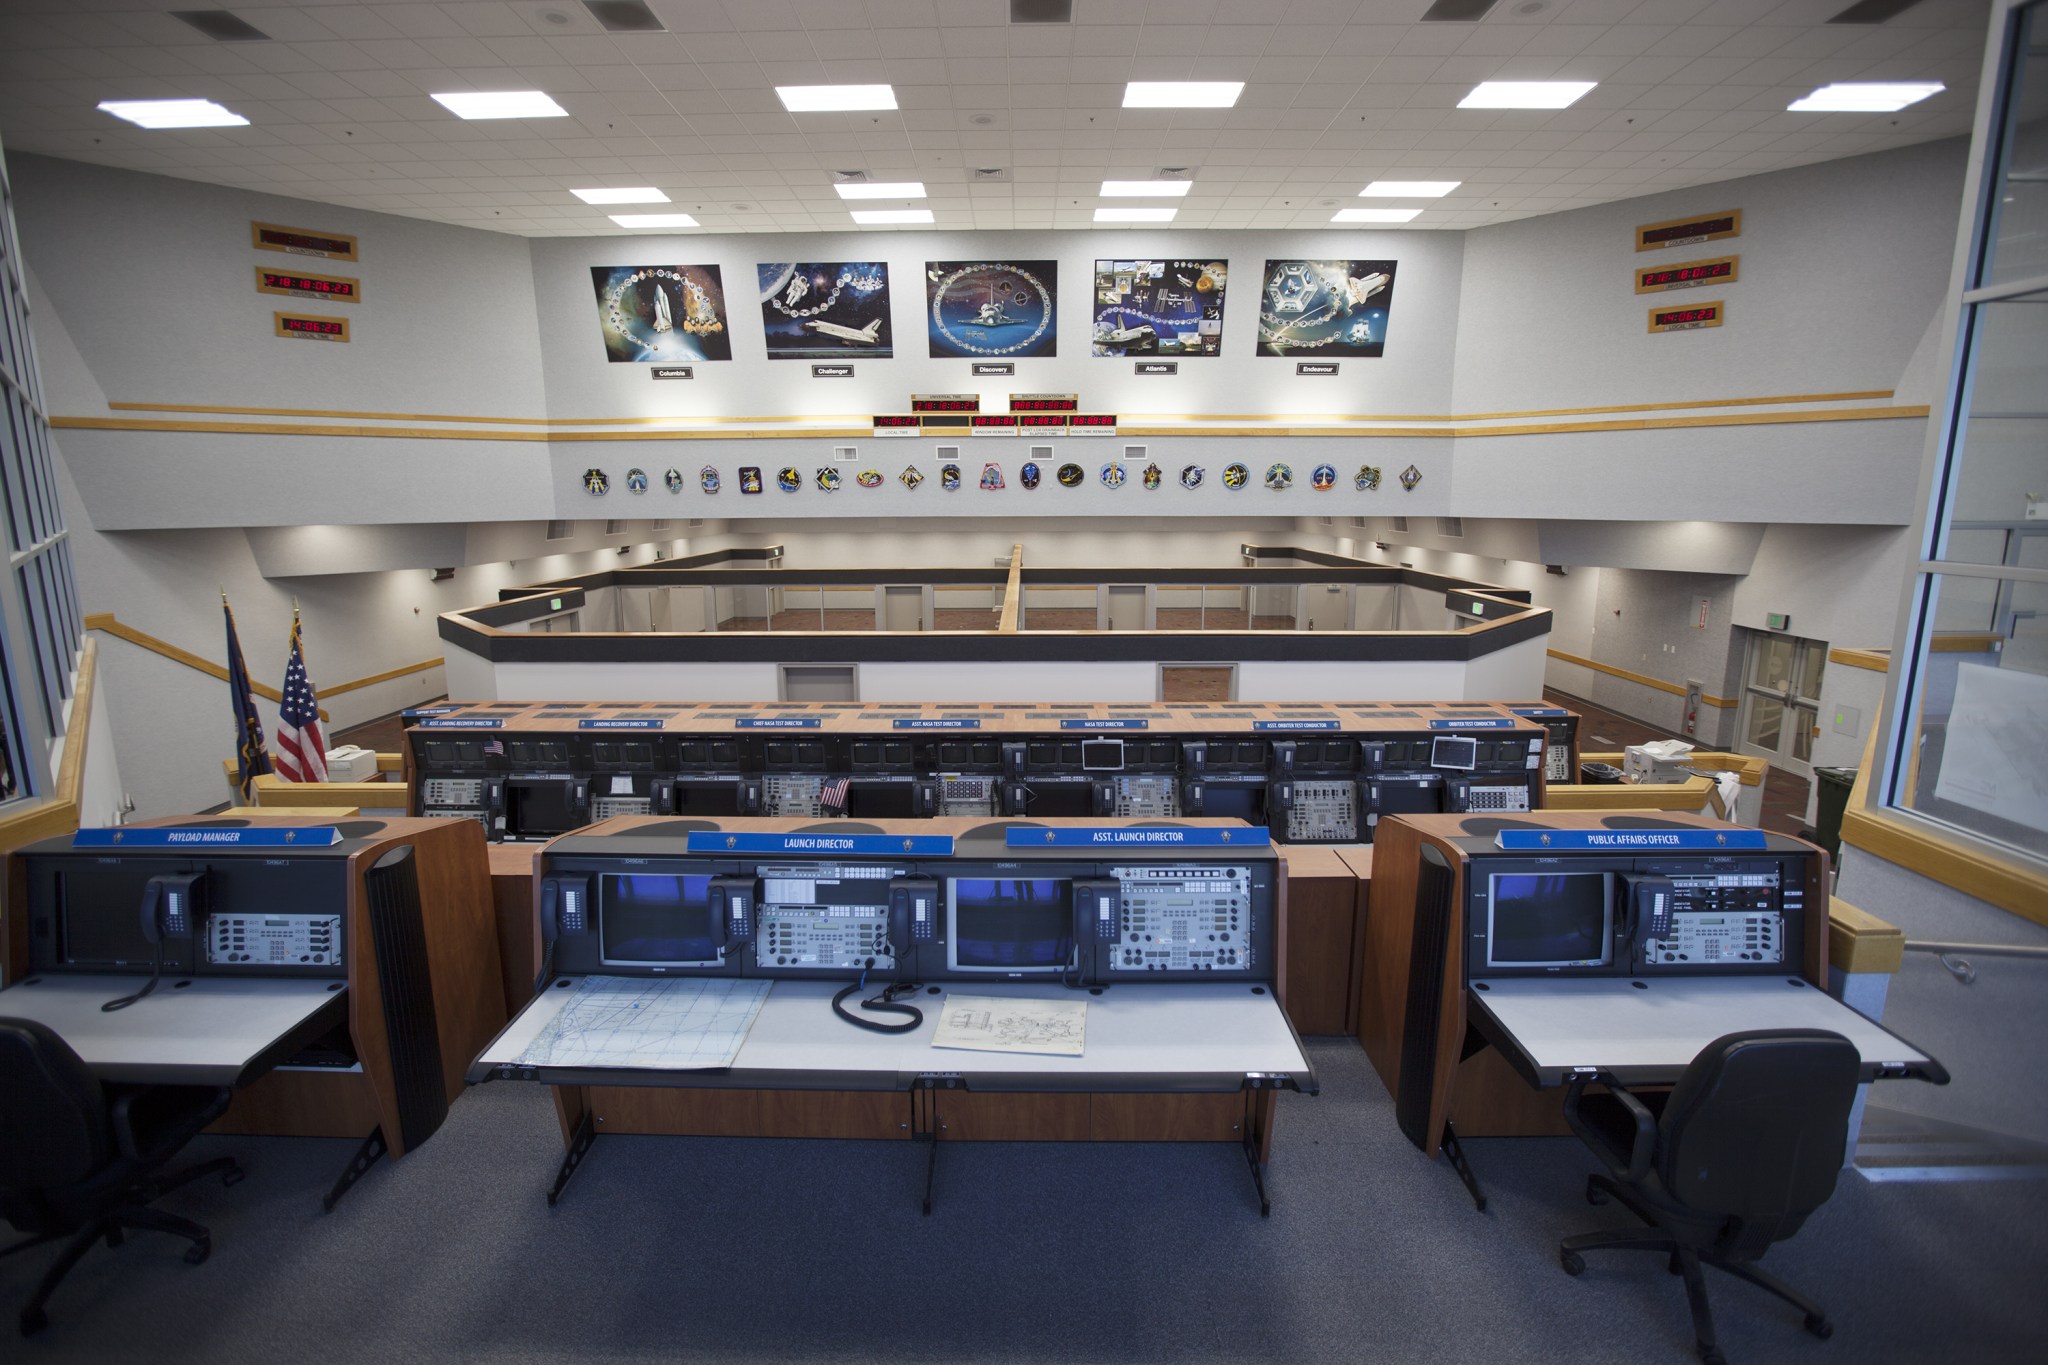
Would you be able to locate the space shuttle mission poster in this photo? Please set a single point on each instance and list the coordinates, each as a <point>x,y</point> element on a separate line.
<point>991,308</point>
<point>662,313</point>
<point>832,310</point>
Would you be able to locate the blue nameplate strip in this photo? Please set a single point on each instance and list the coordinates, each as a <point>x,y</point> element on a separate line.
<point>1631,840</point>
<point>1294,725</point>
<point>248,836</point>
<point>863,845</point>
<point>939,723</point>
<point>1137,838</point>
<point>1539,710</point>
<point>462,723</point>
<point>1474,723</point>
<point>775,723</point>
<point>654,723</point>
<point>414,713</point>
<point>1113,723</point>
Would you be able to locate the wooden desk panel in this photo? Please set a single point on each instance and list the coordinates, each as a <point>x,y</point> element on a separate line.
<point>1322,913</point>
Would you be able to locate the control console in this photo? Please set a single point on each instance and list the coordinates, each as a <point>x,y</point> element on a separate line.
<point>265,942</point>
<point>1182,919</point>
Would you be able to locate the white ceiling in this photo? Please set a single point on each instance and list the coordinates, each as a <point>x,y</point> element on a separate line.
<point>1338,93</point>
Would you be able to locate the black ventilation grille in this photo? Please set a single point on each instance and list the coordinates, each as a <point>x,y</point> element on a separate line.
<point>1424,1007</point>
<point>623,16</point>
<point>1872,11</point>
<point>221,26</point>
<point>398,935</point>
<point>1457,11</point>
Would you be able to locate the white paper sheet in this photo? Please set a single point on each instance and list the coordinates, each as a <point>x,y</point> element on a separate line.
<point>989,1023</point>
<point>685,1023</point>
<point>1997,733</point>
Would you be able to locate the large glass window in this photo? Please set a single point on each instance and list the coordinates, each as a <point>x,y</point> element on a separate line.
<point>1968,743</point>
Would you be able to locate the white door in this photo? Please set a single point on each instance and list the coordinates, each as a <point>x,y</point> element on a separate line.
<point>1781,699</point>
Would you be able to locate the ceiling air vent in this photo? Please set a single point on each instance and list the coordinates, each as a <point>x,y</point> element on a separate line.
<point>221,26</point>
<point>613,528</point>
<point>1451,527</point>
<point>623,16</point>
<point>561,530</point>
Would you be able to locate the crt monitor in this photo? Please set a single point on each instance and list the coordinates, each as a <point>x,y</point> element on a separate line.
<point>711,797</point>
<point>657,920</point>
<point>541,808</point>
<point>1009,925</point>
<point>1550,919</point>
<point>880,800</point>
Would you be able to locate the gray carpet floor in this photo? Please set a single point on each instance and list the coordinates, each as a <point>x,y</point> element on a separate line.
<point>686,1249</point>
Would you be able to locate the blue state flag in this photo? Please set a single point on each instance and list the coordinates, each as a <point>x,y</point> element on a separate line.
<point>251,757</point>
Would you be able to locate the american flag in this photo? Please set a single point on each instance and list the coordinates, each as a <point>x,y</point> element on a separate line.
<point>832,794</point>
<point>301,748</point>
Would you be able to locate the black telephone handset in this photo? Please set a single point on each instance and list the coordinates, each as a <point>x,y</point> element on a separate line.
<point>1098,909</point>
<point>564,907</point>
<point>168,906</point>
<point>1649,908</point>
<point>913,911</point>
<point>733,901</point>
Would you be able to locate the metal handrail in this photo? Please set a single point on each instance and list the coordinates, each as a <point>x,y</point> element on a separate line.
<point>1950,955</point>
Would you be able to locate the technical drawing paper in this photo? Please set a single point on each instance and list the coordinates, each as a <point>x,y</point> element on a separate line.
<point>672,1024</point>
<point>988,1023</point>
<point>1997,732</point>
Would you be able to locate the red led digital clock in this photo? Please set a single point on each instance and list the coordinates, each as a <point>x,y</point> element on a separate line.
<point>1092,419</point>
<point>1685,319</point>
<point>945,402</point>
<point>1689,275</point>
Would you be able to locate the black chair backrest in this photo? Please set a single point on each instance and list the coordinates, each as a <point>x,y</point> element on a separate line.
<point>54,1130</point>
<point>1758,1125</point>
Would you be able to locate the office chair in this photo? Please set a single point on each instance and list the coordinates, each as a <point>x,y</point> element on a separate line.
<point>1734,1158</point>
<point>80,1159</point>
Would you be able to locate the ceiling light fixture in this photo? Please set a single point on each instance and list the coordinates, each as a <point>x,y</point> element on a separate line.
<point>885,217</point>
<point>1146,189</point>
<point>1182,94</point>
<point>1375,215</point>
<point>881,189</point>
<point>623,16</point>
<point>481,104</point>
<point>1865,97</point>
<point>1409,189</point>
<point>644,194</point>
<point>653,220</point>
<point>1108,215</point>
<point>819,99</point>
<point>221,26</point>
<point>173,113</point>
<point>1525,94</point>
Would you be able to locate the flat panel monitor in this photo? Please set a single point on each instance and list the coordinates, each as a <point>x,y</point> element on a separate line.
<point>707,798</point>
<point>1009,925</point>
<point>1550,919</point>
<point>1242,803</point>
<point>1422,797</point>
<point>1060,798</point>
<point>541,808</point>
<point>1459,752</point>
<point>100,915</point>
<point>879,800</point>
<point>656,920</point>
<point>1102,755</point>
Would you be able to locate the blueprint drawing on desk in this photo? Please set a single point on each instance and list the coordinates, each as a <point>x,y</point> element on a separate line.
<point>987,1023</point>
<point>676,1024</point>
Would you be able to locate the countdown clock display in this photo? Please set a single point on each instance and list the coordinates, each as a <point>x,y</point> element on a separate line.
<point>298,284</point>
<point>1686,319</point>
<point>898,424</point>
<point>984,308</point>
<point>307,327</point>
<point>1688,275</point>
<point>1091,424</point>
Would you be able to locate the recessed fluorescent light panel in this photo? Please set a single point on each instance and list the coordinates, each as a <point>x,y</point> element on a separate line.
<point>1135,215</point>
<point>885,217</point>
<point>653,220</point>
<point>1409,189</point>
<point>1374,215</point>
<point>645,194</point>
<point>1865,97</point>
<point>501,104</point>
<point>1146,189</point>
<point>881,189</point>
<point>818,99</point>
<point>1182,94</point>
<point>173,113</point>
<point>1525,94</point>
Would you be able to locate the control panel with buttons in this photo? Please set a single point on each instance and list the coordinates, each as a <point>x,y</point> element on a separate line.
<point>1181,919</point>
<point>1757,936</point>
<point>823,917</point>
<point>270,942</point>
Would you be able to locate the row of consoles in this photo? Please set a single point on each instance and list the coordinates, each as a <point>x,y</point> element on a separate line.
<point>1332,785</point>
<point>1175,929</point>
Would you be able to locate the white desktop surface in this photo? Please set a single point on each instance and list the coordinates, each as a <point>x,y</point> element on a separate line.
<point>206,1033</point>
<point>1167,1032</point>
<point>1637,1033</point>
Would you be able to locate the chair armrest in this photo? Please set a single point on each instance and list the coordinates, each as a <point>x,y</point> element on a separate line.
<point>1643,1142</point>
<point>124,1124</point>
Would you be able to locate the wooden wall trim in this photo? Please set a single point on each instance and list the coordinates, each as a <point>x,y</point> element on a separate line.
<point>71,766</point>
<point>142,639</point>
<point>1706,699</point>
<point>1876,660</point>
<point>1013,593</point>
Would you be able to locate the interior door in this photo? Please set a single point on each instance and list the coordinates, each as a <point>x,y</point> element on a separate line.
<point>903,608</point>
<point>1781,699</point>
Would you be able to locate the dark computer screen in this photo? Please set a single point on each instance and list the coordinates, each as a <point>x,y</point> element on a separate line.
<point>879,800</point>
<point>1059,798</point>
<point>1454,751</point>
<point>1411,798</point>
<point>101,907</point>
<point>1550,919</point>
<point>707,798</point>
<point>540,809</point>
<point>1242,803</point>
<point>1102,755</point>
<point>1010,924</point>
<point>655,920</point>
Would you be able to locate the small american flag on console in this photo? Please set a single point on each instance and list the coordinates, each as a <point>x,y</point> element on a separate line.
<point>301,748</point>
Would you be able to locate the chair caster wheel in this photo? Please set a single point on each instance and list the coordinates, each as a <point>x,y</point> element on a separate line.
<point>1573,1263</point>
<point>33,1320</point>
<point>1594,1194</point>
<point>233,1175</point>
<point>1819,1326</point>
<point>197,1253</point>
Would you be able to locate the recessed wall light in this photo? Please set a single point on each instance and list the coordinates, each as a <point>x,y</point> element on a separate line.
<point>1107,215</point>
<point>1409,189</point>
<point>1525,94</point>
<point>1146,189</point>
<point>645,194</point>
<point>881,189</point>
<point>814,99</point>
<point>477,104</point>
<point>173,113</point>
<point>1865,97</point>
<point>1374,215</point>
<point>1182,94</point>
<point>884,217</point>
<point>653,220</point>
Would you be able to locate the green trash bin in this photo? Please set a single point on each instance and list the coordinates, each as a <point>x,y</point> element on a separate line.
<point>1835,784</point>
